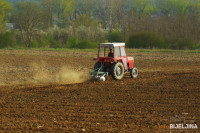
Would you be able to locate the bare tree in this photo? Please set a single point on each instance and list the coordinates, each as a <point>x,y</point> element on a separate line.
<point>29,18</point>
<point>49,5</point>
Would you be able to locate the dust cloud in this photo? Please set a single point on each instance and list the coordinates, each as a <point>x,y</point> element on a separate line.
<point>62,75</point>
<point>39,73</point>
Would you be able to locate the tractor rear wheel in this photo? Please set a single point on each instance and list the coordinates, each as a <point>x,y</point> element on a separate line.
<point>117,70</point>
<point>134,72</point>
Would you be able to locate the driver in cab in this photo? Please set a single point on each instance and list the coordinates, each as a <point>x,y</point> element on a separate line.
<point>111,54</point>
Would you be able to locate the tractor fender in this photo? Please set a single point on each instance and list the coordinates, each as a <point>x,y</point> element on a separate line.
<point>130,61</point>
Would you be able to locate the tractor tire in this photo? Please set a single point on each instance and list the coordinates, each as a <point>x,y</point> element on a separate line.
<point>117,70</point>
<point>134,72</point>
<point>97,65</point>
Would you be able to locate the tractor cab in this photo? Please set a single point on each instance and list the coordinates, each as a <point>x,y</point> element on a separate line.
<point>114,50</point>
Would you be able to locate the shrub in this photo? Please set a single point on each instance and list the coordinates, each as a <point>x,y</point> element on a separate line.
<point>44,41</point>
<point>73,43</point>
<point>35,44</point>
<point>115,37</point>
<point>146,40</point>
<point>188,44</point>
<point>55,43</point>
<point>58,37</point>
<point>7,39</point>
<point>88,44</point>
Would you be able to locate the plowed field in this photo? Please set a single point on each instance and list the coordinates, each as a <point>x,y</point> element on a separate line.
<point>49,91</point>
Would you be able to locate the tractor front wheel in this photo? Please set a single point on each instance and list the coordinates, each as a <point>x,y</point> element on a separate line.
<point>134,72</point>
<point>117,70</point>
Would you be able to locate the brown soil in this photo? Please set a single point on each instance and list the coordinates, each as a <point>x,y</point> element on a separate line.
<point>167,86</point>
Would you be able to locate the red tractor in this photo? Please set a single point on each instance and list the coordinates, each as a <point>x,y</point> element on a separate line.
<point>112,60</point>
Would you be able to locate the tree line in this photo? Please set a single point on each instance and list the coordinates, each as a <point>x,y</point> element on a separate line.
<point>171,24</point>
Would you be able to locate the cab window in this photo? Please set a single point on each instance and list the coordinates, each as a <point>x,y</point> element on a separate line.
<point>117,52</point>
<point>123,52</point>
<point>101,52</point>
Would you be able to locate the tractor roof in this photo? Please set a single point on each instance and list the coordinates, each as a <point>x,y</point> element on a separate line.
<point>111,44</point>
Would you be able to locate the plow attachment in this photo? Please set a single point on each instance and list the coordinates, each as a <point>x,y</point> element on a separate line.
<point>99,73</point>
